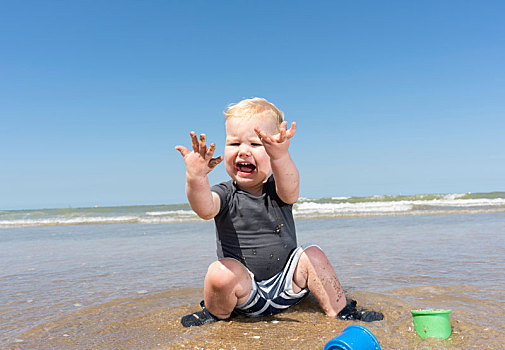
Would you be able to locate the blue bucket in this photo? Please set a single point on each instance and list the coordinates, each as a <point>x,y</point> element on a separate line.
<point>353,338</point>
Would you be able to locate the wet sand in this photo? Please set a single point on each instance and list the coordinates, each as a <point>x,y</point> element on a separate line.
<point>152,322</point>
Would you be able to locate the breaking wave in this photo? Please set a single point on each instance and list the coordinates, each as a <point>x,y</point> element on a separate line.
<point>305,208</point>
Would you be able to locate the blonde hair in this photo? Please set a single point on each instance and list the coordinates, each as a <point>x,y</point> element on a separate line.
<point>255,107</point>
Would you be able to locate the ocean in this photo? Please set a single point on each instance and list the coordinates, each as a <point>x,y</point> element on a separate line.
<point>305,208</point>
<point>121,277</point>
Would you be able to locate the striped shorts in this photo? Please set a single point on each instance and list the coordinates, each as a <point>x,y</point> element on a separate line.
<point>276,294</point>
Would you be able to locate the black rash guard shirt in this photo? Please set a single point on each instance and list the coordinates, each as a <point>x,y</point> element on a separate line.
<point>257,231</point>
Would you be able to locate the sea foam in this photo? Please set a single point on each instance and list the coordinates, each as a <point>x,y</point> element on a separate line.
<point>305,208</point>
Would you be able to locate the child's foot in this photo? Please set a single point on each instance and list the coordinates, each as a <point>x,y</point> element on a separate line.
<point>349,312</point>
<point>199,318</point>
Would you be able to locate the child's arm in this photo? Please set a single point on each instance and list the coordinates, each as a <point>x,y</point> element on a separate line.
<point>199,163</point>
<point>285,172</point>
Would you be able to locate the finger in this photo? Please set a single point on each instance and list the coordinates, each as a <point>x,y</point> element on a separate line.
<point>203,144</point>
<point>264,137</point>
<point>291,132</point>
<point>259,132</point>
<point>210,150</point>
<point>194,141</point>
<point>184,151</point>
<point>282,131</point>
<point>215,161</point>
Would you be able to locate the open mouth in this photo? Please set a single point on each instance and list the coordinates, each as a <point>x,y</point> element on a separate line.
<point>245,167</point>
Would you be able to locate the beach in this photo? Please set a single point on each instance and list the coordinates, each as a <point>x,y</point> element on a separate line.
<point>382,123</point>
<point>104,285</point>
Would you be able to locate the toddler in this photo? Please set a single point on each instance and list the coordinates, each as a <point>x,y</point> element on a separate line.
<point>261,270</point>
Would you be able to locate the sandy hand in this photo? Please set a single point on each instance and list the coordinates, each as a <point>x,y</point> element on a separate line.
<point>277,145</point>
<point>200,161</point>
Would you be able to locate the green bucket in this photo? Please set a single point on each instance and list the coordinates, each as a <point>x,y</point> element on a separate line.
<point>432,323</point>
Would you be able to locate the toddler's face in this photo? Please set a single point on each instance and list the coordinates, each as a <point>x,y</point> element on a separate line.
<point>246,160</point>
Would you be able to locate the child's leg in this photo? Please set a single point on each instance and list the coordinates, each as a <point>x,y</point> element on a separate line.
<point>315,272</point>
<point>227,284</point>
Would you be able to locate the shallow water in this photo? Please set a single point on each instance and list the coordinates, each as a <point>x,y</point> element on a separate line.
<point>126,286</point>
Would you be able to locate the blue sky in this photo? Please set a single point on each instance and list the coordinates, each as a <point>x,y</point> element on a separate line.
<point>389,97</point>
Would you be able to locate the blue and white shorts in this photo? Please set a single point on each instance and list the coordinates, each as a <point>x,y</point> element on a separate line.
<point>276,294</point>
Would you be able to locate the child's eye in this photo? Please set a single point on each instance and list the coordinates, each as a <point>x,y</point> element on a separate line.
<point>234,144</point>
<point>256,144</point>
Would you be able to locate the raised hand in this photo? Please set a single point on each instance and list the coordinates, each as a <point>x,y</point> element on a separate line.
<point>200,161</point>
<point>277,145</point>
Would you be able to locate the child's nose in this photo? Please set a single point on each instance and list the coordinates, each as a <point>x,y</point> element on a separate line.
<point>244,150</point>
